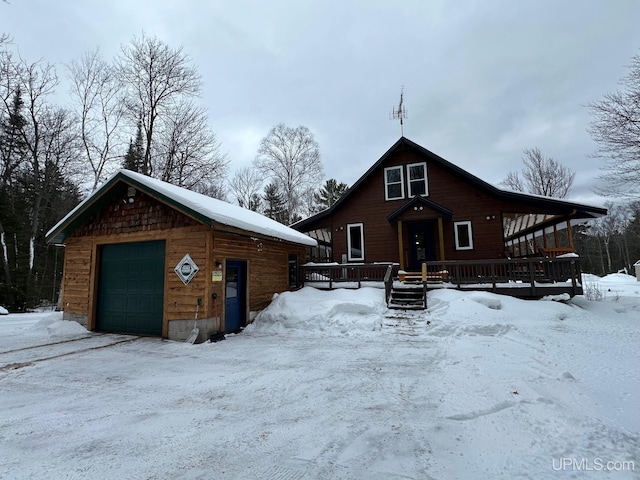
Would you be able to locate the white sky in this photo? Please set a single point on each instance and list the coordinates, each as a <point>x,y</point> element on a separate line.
<point>482,80</point>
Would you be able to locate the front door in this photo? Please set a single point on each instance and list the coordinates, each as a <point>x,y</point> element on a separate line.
<point>235,295</point>
<point>422,247</point>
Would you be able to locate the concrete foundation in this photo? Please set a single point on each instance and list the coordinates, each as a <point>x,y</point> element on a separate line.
<point>76,317</point>
<point>179,330</point>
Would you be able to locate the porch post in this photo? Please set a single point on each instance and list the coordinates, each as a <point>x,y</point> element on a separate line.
<point>441,238</point>
<point>555,235</point>
<point>400,250</point>
<point>570,235</point>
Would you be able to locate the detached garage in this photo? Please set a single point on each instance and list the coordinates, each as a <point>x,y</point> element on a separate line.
<point>146,257</point>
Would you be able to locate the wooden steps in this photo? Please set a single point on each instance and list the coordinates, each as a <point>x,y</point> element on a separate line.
<point>408,297</point>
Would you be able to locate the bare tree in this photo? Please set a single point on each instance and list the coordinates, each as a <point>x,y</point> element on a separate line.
<point>246,186</point>
<point>157,78</point>
<point>99,105</point>
<point>541,175</point>
<point>291,158</point>
<point>188,152</point>
<point>615,127</point>
<point>605,228</point>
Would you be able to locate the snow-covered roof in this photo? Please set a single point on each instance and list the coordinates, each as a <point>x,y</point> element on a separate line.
<point>206,209</point>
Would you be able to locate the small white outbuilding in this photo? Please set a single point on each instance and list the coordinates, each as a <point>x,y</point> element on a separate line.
<point>637,267</point>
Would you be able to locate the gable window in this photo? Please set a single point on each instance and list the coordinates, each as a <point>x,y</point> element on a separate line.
<point>393,183</point>
<point>417,175</point>
<point>355,242</point>
<point>463,235</point>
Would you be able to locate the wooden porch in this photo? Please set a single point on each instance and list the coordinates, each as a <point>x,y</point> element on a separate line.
<point>523,278</point>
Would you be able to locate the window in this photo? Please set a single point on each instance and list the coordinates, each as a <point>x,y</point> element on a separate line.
<point>355,242</point>
<point>417,175</point>
<point>463,234</point>
<point>293,270</point>
<point>393,183</point>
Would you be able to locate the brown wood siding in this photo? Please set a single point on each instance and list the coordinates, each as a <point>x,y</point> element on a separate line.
<point>267,264</point>
<point>77,276</point>
<point>367,205</point>
<point>144,214</point>
<point>147,219</point>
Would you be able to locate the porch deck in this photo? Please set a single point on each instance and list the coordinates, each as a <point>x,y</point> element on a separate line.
<point>523,278</point>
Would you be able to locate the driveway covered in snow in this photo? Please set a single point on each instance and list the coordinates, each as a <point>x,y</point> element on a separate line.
<point>333,385</point>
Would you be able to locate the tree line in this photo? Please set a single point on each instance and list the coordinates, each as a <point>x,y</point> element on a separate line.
<point>140,111</point>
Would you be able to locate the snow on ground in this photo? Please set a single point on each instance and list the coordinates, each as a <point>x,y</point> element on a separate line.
<point>333,385</point>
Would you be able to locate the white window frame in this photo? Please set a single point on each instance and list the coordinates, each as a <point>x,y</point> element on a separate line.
<point>387,184</point>
<point>467,223</point>
<point>349,257</point>
<point>426,183</point>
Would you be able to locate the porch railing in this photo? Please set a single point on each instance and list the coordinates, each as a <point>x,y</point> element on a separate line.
<point>536,274</point>
<point>333,275</point>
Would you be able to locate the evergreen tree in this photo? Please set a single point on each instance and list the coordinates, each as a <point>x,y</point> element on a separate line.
<point>274,204</point>
<point>13,149</point>
<point>135,154</point>
<point>329,194</point>
<point>13,210</point>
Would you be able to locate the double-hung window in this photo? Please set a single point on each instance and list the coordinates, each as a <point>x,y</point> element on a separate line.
<point>417,177</point>
<point>355,242</point>
<point>393,183</point>
<point>463,235</point>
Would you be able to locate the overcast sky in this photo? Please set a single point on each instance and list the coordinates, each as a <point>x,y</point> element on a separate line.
<point>483,80</point>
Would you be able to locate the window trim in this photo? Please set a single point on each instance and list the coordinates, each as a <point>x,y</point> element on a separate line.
<point>349,257</point>
<point>455,233</point>
<point>426,178</point>
<point>387,184</point>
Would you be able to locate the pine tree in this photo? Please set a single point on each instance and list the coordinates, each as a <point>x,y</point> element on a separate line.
<point>329,194</point>
<point>13,212</point>
<point>13,149</point>
<point>135,154</point>
<point>274,204</point>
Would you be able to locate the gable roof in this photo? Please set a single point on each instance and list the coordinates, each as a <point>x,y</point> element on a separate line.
<point>420,202</point>
<point>207,210</point>
<point>536,201</point>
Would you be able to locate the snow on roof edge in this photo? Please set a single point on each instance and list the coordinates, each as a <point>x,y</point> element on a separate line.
<point>217,210</point>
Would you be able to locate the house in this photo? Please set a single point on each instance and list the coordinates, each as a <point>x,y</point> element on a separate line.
<point>146,257</point>
<point>413,206</point>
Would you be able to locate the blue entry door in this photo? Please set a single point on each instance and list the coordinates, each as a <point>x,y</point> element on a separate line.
<point>235,295</point>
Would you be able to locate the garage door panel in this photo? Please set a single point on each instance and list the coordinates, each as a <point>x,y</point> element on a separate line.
<point>131,288</point>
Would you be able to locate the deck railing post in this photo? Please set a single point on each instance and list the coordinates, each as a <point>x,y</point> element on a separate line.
<point>572,269</point>
<point>493,275</point>
<point>532,276</point>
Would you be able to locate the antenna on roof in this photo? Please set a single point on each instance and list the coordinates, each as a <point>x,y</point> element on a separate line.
<point>400,112</point>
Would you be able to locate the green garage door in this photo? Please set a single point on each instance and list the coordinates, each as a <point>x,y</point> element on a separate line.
<point>131,288</point>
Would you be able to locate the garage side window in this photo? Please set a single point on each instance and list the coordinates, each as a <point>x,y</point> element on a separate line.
<point>463,235</point>
<point>355,242</point>
<point>293,271</point>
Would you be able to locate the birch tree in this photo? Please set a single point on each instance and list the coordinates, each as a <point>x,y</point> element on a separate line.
<point>290,157</point>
